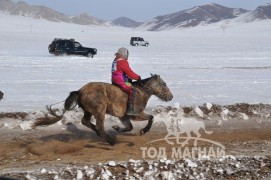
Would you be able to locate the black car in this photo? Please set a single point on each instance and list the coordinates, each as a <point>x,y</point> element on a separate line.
<point>70,46</point>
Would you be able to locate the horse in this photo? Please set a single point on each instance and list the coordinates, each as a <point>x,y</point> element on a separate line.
<point>99,98</point>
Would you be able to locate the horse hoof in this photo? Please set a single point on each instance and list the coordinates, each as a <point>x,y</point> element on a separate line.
<point>112,143</point>
<point>98,134</point>
<point>110,140</point>
<point>141,132</point>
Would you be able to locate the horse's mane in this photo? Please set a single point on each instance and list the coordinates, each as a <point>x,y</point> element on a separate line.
<point>143,81</point>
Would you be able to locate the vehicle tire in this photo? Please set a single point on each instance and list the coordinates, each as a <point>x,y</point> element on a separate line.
<point>146,44</point>
<point>61,53</point>
<point>89,55</point>
<point>136,44</point>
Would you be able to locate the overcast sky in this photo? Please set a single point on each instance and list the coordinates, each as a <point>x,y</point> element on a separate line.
<point>139,10</point>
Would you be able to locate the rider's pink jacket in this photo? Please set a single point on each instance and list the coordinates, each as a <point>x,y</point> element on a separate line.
<point>121,71</point>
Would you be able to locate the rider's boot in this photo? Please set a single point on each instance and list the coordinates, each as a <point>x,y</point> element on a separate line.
<point>131,105</point>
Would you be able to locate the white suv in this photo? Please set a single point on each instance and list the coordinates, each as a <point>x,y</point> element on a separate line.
<point>138,41</point>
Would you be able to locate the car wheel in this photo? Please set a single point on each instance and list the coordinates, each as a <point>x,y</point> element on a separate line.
<point>147,45</point>
<point>61,53</point>
<point>89,55</point>
<point>136,44</point>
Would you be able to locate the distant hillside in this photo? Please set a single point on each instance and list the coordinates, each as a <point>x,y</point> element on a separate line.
<point>263,12</point>
<point>199,15</point>
<point>85,19</point>
<point>125,22</point>
<point>42,12</point>
<point>207,14</point>
<point>260,13</point>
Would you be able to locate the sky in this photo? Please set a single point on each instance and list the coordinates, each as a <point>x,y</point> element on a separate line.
<point>139,10</point>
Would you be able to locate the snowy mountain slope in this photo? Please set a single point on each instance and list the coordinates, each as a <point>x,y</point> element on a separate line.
<point>125,22</point>
<point>199,15</point>
<point>207,14</point>
<point>42,12</point>
<point>260,13</point>
<point>204,15</point>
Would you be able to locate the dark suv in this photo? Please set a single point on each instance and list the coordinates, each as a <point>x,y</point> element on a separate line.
<point>70,46</point>
<point>138,41</point>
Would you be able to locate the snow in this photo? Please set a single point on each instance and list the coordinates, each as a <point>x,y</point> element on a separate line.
<point>199,65</point>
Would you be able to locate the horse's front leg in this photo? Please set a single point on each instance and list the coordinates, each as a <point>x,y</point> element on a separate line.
<point>142,117</point>
<point>100,118</point>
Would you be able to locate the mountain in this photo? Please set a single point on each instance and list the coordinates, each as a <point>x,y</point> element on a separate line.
<point>263,12</point>
<point>125,22</point>
<point>260,13</point>
<point>85,19</point>
<point>42,12</point>
<point>205,14</point>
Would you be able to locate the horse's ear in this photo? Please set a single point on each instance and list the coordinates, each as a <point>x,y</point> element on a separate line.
<point>151,74</point>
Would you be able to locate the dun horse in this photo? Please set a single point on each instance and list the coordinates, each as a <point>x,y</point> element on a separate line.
<point>98,99</point>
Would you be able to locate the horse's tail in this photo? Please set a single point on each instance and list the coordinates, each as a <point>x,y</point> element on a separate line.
<point>72,100</point>
<point>70,103</point>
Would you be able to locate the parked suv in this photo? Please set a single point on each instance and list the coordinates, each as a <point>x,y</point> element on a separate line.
<point>70,46</point>
<point>138,41</point>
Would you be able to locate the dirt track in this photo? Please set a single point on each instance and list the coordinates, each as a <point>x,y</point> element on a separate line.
<point>45,146</point>
<point>73,144</point>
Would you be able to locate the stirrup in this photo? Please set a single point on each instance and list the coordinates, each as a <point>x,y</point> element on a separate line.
<point>132,113</point>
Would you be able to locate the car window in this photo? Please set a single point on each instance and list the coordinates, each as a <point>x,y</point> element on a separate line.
<point>77,44</point>
<point>69,44</point>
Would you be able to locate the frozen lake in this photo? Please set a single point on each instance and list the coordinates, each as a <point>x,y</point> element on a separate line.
<point>203,64</point>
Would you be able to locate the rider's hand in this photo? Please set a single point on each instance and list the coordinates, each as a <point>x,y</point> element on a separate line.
<point>130,80</point>
<point>139,80</point>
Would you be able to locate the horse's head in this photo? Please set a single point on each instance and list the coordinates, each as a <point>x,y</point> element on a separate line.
<point>159,88</point>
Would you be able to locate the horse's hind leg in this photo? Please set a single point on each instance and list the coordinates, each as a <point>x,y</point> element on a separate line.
<point>100,118</point>
<point>86,121</point>
<point>127,125</point>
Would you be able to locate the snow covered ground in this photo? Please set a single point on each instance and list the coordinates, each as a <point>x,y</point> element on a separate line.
<point>202,64</point>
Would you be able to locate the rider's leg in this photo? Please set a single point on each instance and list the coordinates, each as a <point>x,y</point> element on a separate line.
<point>131,103</point>
<point>128,88</point>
